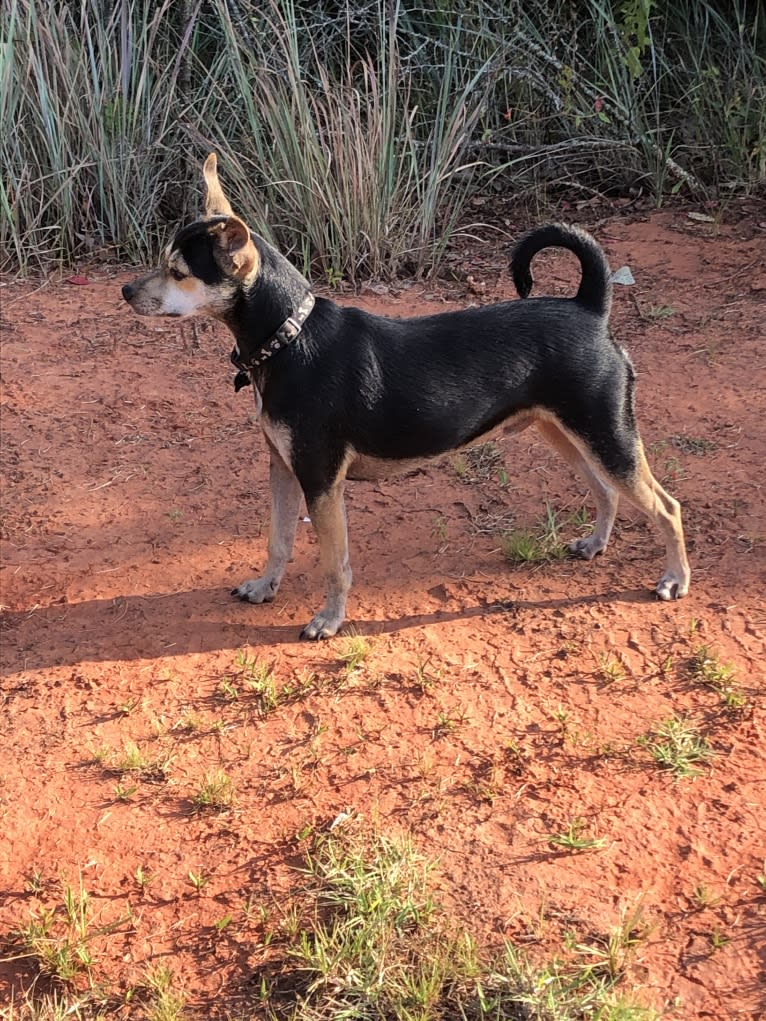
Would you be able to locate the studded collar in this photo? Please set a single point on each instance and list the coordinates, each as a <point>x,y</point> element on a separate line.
<point>281,337</point>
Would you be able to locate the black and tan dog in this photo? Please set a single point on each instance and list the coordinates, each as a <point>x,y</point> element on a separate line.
<point>349,395</point>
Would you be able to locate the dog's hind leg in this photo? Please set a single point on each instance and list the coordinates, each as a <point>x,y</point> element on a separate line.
<point>328,516</point>
<point>645,492</point>
<point>605,496</point>
<point>285,504</point>
<point>622,462</point>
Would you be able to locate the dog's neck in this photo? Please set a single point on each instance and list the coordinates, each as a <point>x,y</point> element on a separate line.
<point>264,308</point>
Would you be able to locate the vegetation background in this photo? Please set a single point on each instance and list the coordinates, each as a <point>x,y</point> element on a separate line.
<point>361,137</point>
<point>353,133</point>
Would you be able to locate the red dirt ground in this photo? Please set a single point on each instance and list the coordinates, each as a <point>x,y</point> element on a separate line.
<point>499,702</point>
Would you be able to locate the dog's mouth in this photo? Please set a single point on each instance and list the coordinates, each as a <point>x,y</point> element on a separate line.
<point>150,309</point>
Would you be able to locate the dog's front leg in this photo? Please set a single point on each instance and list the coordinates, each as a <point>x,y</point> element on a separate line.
<point>328,516</point>
<point>285,504</point>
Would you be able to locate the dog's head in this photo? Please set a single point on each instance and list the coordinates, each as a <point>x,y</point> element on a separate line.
<point>204,266</point>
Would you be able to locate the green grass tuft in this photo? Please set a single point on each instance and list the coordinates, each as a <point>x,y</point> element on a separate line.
<point>367,939</point>
<point>677,745</point>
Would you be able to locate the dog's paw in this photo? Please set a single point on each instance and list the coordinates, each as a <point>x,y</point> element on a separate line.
<point>322,626</point>
<point>671,586</point>
<point>587,548</point>
<point>257,590</point>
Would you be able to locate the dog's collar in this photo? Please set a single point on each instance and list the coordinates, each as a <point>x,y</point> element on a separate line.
<point>286,333</point>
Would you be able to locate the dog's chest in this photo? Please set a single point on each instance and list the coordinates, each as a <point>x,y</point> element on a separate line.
<point>279,437</point>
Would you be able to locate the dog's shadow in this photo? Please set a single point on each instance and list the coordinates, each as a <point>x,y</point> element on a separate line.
<point>128,628</point>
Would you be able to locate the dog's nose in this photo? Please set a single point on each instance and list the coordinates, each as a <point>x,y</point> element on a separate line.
<point>128,292</point>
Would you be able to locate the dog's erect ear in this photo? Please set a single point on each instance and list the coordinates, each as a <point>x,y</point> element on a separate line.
<point>236,251</point>
<point>216,203</point>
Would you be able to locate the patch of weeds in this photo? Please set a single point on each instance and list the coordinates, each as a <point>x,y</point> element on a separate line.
<point>674,470</point>
<point>424,764</point>
<point>709,670</point>
<point>163,1001</point>
<point>125,793</point>
<point>259,681</point>
<point>228,689</point>
<point>655,313</point>
<point>665,666</point>
<point>515,758</point>
<point>425,676</point>
<point>353,651</point>
<point>304,832</point>
<point>581,519</point>
<point>254,911</point>
<point>143,878</point>
<point>711,351</point>
<point>100,754</point>
<point>439,528</point>
<point>154,768</point>
<point>36,881</point>
<point>484,791</point>
<point>296,777</point>
<point>482,463</point>
<point>255,682</point>
<point>677,745</point>
<point>561,716</point>
<point>704,897</point>
<point>538,545</point>
<point>761,879</point>
<point>572,838</point>
<point>58,937</point>
<point>613,952</point>
<point>449,720</point>
<point>718,939</point>
<point>132,760</point>
<point>190,723</point>
<point>55,1005</point>
<point>657,447</point>
<point>489,781</point>
<point>610,668</point>
<point>366,938</point>
<point>198,880</point>
<point>305,682</point>
<point>216,792</point>
<point>693,445</point>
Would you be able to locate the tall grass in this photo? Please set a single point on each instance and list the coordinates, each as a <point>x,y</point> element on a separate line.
<point>353,133</point>
<point>88,149</point>
<point>374,181</point>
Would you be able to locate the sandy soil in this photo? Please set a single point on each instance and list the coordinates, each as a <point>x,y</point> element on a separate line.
<point>500,703</point>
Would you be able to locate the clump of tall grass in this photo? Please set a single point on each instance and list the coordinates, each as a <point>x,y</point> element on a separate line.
<point>89,141</point>
<point>376,181</point>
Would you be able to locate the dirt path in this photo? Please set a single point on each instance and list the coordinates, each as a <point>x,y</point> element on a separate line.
<point>499,704</point>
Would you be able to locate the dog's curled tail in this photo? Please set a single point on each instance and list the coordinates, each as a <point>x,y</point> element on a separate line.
<point>595,291</point>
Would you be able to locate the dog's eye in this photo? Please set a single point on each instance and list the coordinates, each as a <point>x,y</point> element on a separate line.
<point>176,275</point>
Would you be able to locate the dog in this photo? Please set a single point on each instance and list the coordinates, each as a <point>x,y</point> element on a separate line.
<point>345,395</point>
